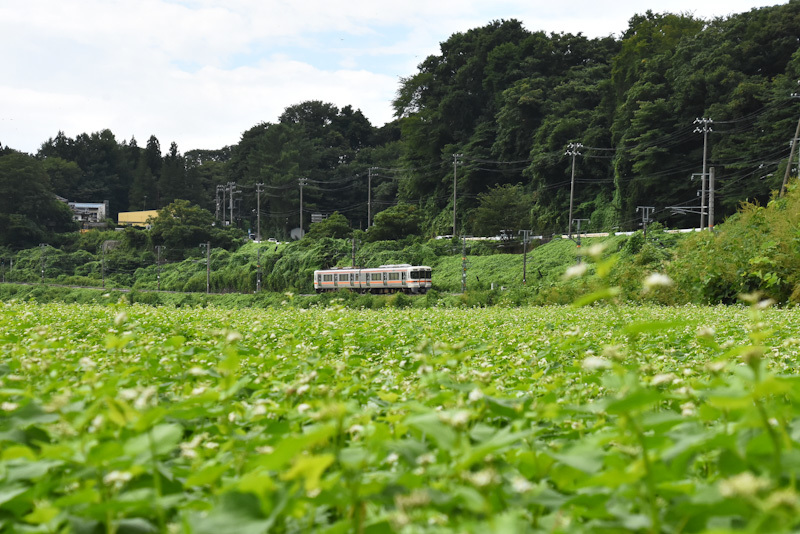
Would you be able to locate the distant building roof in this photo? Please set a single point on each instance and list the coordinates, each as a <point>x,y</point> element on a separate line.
<point>136,218</point>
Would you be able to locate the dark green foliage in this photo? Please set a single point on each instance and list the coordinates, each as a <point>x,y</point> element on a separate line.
<point>335,226</point>
<point>29,211</point>
<point>397,222</point>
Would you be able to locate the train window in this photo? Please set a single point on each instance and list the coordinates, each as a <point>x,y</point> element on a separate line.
<point>376,277</point>
<point>327,277</point>
<point>394,276</point>
<point>343,278</point>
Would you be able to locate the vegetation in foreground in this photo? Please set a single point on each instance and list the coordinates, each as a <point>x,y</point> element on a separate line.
<point>124,419</point>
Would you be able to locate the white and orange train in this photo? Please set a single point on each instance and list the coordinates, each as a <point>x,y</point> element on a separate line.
<point>405,278</point>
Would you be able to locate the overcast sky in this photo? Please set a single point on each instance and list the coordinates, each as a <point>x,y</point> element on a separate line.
<point>201,72</point>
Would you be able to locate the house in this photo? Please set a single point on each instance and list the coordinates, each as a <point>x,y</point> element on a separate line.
<point>90,214</point>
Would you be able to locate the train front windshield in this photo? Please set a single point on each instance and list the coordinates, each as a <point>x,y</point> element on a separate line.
<point>423,274</point>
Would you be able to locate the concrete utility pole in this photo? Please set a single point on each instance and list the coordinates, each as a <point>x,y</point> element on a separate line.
<point>456,163</point>
<point>795,139</point>
<point>103,263</point>
<point>574,151</point>
<point>302,182</point>
<point>258,269</point>
<point>259,190</point>
<point>216,202</point>
<point>705,128</point>
<point>208,265</point>
<point>43,247</point>
<point>646,211</point>
<point>231,186</point>
<point>711,175</point>
<point>525,239</point>
<point>159,248</point>
<point>579,221</point>
<point>224,203</point>
<point>463,264</point>
<point>369,196</point>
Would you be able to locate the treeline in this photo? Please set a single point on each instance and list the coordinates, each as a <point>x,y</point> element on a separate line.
<point>495,111</point>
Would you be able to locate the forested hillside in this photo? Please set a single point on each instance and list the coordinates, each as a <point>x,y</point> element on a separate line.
<point>496,112</point>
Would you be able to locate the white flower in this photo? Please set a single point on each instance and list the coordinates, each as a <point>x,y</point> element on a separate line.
<point>9,406</point>
<point>87,362</point>
<point>595,363</point>
<point>575,271</point>
<point>233,337</point>
<point>521,484</point>
<point>196,371</point>
<point>356,429</point>
<point>120,318</point>
<point>475,395</point>
<point>742,485</point>
<point>656,280</point>
<point>662,378</point>
<point>117,478</point>
<point>303,407</point>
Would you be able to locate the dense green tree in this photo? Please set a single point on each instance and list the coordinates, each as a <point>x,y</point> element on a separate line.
<point>336,226</point>
<point>182,225</point>
<point>29,211</point>
<point>504,207</point>
<point>397,222</point>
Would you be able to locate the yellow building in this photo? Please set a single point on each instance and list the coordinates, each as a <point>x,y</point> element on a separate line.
<point>136,218</point>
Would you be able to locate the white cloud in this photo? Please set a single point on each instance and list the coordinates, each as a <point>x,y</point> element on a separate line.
<point>200,72</point>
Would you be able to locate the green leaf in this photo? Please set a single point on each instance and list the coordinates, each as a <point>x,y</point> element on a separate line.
<point>208,475</point>
<point>235,512</point>
<point>310,469</point>
<point>636,400</point>
<point>430,425</point>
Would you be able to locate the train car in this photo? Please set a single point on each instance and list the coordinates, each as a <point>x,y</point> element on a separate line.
<point>405,278</point>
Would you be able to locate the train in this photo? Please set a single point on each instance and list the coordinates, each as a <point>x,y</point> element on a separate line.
<point>401,278</point>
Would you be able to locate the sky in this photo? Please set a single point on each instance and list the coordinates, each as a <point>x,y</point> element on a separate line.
<point>202,72</point>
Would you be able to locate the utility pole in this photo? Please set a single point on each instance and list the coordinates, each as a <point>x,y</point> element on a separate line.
<point>791,150</point>
<point>456,163</point>
<point>208,265</point>
<point>711,174</point>
<point>259,190</point>
<point>302,182</point>
<point>354,252</point>
<point>43,247</point>
<point>369,196</point>
<point>463,264</point>
<point>224,203</point>
<point>578,221</point>
<point>646,211</point>
<point>574,151</point>
<point>258,269</point>
<point>231,186</point>
<point>705,128</point>
<point>158,266</point>
<point>525,238</point>
<point>216,202</point>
